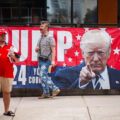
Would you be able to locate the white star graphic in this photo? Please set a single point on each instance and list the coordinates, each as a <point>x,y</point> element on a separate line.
<point>70,59</point>
<point>86,29</point>
<point>64,64</point>
<point>78,37</point>
<point>116,51</point>
<point>76,53</point>
<point>81,61</point>
<point>112,67</point>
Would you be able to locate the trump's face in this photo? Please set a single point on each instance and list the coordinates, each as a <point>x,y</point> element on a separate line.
<point>96,55</point>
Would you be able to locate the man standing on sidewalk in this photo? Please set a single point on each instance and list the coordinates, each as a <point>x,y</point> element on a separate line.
<point>8,56</point>
<point>46,56</point>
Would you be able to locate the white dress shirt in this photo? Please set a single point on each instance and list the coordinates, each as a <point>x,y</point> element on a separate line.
<point>104,81</point>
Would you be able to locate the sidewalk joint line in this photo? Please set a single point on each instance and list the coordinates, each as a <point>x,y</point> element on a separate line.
<point>17,107</point>
<point>87,107</point>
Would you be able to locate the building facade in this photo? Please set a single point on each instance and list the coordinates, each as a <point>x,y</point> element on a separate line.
<point>67,12</point>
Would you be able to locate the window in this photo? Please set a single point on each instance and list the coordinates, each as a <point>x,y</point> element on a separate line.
<point>85,11</point>
<point>22,11</point>
<point>118,11</point>
<point>59,11</point>
<point>55,11</point>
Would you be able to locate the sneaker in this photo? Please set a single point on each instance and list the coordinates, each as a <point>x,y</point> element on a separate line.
<point>43,96</point>
<point>55,92</point>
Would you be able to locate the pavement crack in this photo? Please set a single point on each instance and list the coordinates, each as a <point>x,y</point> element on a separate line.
<point>87,107</point>
<point>89,112</point>
<point>17,107</point>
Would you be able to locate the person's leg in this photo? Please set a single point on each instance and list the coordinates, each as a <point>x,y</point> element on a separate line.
<point>49,82</point>
<point>46,81</point>
<point>42,74</point>
<point>6,90</point>
<point>6,101</point>
<point>55,89</point>
<point>0,84</point>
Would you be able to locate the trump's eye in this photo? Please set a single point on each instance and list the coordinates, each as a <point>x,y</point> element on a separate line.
<point>99,53</point>
<point>90,53</point>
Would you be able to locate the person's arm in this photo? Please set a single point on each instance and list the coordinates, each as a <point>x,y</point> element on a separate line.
<point>14,54</point>
<point>37,47</point>
<point>52,44</point>
<point>53,55</point>
<point>15,57</point>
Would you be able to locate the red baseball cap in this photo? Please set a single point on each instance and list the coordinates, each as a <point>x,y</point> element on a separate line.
<point>2,31</point>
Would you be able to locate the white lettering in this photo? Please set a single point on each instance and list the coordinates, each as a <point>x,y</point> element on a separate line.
<point>24,45</point>
<point>22,75</point>
<point>15,39</point>
<point>35,37</point>
<point>36,71</point>
<point>34,80</point>
<point>15,73</point>
<point>24,42</point>
<point>61,46</point>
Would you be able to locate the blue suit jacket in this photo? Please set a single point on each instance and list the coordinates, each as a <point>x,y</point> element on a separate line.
<point>68,78</point>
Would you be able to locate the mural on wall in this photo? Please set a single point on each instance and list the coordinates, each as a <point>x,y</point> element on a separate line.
<point>69,59</point>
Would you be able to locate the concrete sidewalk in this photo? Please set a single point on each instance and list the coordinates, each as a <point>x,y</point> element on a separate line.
<point>64,108</point>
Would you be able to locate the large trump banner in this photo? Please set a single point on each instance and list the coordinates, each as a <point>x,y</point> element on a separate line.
<point>68,54</point>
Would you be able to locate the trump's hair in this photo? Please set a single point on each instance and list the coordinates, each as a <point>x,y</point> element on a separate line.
<point>92,35</point>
